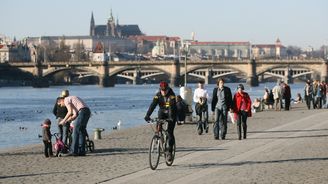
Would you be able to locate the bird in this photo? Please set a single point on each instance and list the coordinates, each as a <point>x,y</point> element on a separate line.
<point>119,123</point>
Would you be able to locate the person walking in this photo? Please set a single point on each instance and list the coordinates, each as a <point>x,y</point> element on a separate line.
<point>286,95</point>
<point>201,107</point>
<point>166,101</point>
<point>276,91</point>
<point>241,105</point>
<point>308,94</point>
<point>76,110</point>
<point>221,104</point>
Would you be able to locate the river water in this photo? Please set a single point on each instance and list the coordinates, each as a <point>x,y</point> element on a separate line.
<point>23,109</point>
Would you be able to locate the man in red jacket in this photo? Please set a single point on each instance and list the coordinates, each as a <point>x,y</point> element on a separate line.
<point>241,105</point>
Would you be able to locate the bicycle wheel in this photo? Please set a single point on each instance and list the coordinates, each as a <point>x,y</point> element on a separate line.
<point>91,146</point>
<point>154,152</point>
<point>169,163</point>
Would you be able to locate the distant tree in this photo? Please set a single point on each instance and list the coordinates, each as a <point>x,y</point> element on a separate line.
<point>293,51</point>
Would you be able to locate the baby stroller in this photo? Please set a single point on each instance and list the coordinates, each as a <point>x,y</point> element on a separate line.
<point>59,145</point>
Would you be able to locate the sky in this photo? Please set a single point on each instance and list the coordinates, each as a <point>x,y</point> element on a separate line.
<point>302,23</point>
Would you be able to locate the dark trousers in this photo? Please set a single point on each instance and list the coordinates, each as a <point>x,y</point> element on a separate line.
<point>170,131</point>
<point>202,112</point>
<point>163,114</point>
<point>47,148</point>
<point>308,101</point>
<point>220,125</point>
<point>287,104</point>
<point>242,122</point>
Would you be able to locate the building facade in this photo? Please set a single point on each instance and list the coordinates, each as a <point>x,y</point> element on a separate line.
<point>219,50</point>
<point>276,50</point>
<point>156,45</point>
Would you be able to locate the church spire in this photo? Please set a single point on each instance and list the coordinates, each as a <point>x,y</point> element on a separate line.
<point>111,18</point>
<point>92,25</point>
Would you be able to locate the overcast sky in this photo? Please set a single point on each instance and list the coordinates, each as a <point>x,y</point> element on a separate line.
<point>296,22</point>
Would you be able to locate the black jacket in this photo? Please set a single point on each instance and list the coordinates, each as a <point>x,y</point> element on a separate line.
<point>167,105</point>
<point>227,97</point>
<point>59,112</point>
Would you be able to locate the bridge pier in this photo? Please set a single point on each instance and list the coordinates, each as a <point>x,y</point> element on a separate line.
<point>137,77</point>
<point>209,77</point>
<point>324,70</point>
<point>289,76</point>
<point>104,79</point>
<point>107,81</point>
<point>39,81</point>
<point>252,79</point>
<point>175,79</point>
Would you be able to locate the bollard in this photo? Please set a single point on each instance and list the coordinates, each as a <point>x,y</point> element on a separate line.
<point>98,133</point>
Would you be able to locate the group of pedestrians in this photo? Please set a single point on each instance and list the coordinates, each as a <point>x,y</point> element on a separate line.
<point>222,102</point>
<point>281,94</point>
<point>71,112</point>
<point>315,93</point>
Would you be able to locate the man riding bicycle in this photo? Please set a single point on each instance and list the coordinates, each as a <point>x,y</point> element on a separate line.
<point>166,101</point>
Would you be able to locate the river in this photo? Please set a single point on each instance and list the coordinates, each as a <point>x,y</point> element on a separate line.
<point>23,109</point>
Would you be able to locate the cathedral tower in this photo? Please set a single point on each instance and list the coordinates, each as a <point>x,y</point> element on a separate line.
<point>92,25</point>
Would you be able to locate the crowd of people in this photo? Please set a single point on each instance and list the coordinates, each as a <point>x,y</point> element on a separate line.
<point>72,112</point>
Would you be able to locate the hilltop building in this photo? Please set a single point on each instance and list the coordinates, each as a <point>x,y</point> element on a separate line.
<point>113,29</point>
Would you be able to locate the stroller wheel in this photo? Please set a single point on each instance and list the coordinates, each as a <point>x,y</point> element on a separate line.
<point>91,146</point>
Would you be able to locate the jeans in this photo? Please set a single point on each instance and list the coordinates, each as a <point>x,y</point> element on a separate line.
<point>221,116</point>
<point>79,131</point>
<point>63,131</point>
<point>202,114</point>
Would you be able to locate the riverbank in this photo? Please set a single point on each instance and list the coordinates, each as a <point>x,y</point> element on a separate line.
<point>122,155</point>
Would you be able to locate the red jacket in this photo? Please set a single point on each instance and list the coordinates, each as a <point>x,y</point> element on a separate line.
<point>236,104</point>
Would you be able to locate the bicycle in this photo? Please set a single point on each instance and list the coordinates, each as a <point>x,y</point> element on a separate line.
<point>159,144</point>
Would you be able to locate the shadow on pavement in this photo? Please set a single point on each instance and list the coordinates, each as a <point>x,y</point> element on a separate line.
<point>213,165</point>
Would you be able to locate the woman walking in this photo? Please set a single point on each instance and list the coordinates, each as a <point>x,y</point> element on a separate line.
<point>241,105</point>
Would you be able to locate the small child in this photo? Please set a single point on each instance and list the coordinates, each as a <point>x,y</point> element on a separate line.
<point>46,135</point>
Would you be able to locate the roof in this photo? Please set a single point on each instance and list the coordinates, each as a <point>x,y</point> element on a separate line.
<point>128,30</point>
<point>154,38</point>
<point>220,43</point>
<point>267,46</point>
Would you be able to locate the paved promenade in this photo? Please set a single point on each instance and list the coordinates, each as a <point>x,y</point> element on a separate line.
<point>282,147</point>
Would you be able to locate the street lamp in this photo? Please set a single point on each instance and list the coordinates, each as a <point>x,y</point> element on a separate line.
<point>185,49</point>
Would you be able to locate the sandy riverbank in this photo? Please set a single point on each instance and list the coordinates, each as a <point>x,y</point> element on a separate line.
<point>123,152</point>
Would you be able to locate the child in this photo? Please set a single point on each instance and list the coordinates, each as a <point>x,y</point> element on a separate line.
<point>46,135</point>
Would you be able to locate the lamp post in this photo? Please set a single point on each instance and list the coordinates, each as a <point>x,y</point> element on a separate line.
<point>186,51</point>
<point>185,91</point>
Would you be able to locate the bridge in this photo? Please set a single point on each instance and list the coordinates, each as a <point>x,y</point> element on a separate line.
<point>208,70</point>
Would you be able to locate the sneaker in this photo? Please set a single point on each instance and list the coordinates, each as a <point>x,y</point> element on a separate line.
<point>216,138</point>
